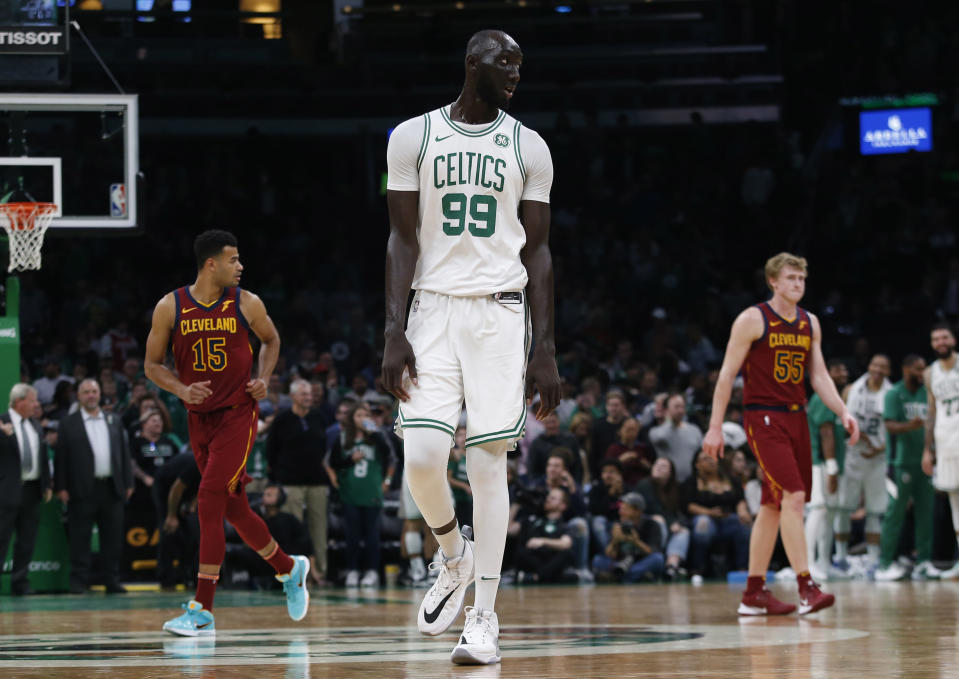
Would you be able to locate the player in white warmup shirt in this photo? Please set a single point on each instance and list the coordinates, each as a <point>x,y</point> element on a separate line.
<point>468,196</point>
<point>864,469</point>
<point>942,426</point>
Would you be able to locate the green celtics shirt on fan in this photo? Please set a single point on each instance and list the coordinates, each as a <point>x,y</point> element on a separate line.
<point>361,482</point>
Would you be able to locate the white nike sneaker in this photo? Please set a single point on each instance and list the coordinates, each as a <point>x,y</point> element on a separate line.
<point>444,600</point>
<point>479,643</point>
<point>352,578</point>
<point>924,570</point>
<point>951,574</point>
<point>892,573</point>
<point>370,579</point>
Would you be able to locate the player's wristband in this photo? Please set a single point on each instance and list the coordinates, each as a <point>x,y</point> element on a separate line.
<point>832,467</point>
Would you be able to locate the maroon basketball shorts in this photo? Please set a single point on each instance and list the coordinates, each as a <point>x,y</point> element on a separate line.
<point>779,438</point>
<point>221,442</point>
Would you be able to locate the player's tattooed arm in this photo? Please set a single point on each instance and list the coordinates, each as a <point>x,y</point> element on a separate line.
<point>402,251</point>
<point>541,373</point>
<point>164,315</point>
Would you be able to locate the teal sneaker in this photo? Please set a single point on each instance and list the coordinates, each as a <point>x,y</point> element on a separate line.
<point>196,622</point>
<point>294,586</point>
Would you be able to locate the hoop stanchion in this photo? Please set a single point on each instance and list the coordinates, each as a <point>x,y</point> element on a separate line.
<point>26,224</point>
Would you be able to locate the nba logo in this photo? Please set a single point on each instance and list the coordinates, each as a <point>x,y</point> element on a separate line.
<point>118,200</point>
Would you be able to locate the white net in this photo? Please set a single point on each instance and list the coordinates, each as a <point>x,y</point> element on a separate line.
<point>26,224</point>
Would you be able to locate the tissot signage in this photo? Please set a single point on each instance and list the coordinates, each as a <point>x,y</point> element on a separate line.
<point>32,40</point>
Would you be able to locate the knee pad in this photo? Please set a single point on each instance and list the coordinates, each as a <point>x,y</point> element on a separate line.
<point>413,542</point>
<point>425,450</point>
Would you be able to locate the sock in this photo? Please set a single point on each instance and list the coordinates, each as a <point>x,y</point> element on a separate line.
<point>842,550</point>
<point>486,467</point>
<point>281,561</point>
<point>805,581</point>
<point>873,552</point>
<point>451,543</point>
<point>755,584</point>
<point>206,589</point>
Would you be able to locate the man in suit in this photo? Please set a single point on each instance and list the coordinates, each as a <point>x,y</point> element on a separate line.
<point>24,481</point>
<point>94,478</point>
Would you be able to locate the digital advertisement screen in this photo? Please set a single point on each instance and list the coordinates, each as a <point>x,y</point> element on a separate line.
<point>898,130</point>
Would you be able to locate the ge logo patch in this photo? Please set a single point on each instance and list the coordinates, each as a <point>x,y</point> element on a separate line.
<point>501,140</point>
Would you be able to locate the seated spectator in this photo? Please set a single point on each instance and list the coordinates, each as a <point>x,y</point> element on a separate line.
<point>360,457</point>
<point>719,514</point>
<point>174,495</point>
<point>541,447</point>
<point>677,439</point>
<point>285,528</point>
<point>634,458</point>
<point>459,479</point>
<point>558,476</point>
<point>604,497</point>
<point>546,547</point>
<point>663,505</point>
<point>581,427</point>
<point>634,552</point>
<point>742,466</point>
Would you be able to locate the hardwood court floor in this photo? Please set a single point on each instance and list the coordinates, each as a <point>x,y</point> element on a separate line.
<point>610,631</point>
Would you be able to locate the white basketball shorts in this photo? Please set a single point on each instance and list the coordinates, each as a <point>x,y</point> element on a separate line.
<point>472,349</point>
<point>864,480</point>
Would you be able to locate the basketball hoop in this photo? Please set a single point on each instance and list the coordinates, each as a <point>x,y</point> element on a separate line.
<point>26,224</point>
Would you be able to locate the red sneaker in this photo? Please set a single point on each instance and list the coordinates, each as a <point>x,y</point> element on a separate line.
<point>813,599</point>
<point>763,603</point>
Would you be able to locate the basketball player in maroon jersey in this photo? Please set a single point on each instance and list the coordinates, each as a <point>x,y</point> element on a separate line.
<point>777,343</point>
<point>210,323</point>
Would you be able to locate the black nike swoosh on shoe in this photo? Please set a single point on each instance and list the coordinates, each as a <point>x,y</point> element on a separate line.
<point>430,618</point>
<point>206,624</point>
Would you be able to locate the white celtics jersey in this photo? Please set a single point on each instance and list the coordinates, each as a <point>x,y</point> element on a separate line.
<point>471,179</point>
<point>945,387</point>
<point>867,406</point>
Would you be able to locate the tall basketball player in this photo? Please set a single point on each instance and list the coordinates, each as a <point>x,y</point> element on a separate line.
<point>777,343</point>
<point>468,197</point>
<point>941,455</point>
<point>864,469</point>
<point>210,324</point>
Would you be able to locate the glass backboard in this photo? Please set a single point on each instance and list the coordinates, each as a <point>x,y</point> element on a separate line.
<point>79,151</point>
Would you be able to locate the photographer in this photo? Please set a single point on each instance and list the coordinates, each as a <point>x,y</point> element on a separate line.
<point>634,550</point>
<point>546,545</point>
<point>604,497</point>
<point>558,477</point>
